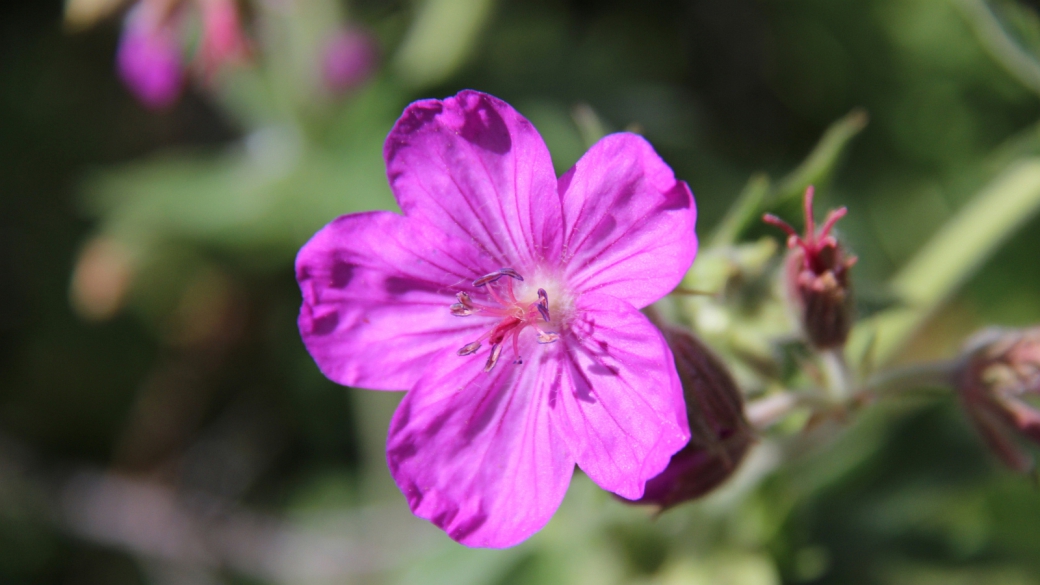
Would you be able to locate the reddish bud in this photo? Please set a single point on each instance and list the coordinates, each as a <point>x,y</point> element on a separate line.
<point>818,277</point>
<point>223,39</point>
<point>720,435</point>
<point>1000,371</point>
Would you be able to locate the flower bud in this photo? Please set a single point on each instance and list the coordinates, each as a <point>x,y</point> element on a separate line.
<point>349,60</point>
<point>223,40</point>
<point>149,57</point>
<point>817,274</point>
<point>719,434</point>
<point>999,373</point>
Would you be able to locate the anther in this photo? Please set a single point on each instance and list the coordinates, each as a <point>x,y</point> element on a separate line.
<point>461,310</point>
<point>543,304</point>
<point>547,337</point>
<point>496,350</point>
<point>464,299</point>
<point>489,278</point>
<point>470,348</point>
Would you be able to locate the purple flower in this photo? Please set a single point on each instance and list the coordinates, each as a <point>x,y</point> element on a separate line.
<point>349,60</point>
<point>506,301</point>
<point>149,58</point>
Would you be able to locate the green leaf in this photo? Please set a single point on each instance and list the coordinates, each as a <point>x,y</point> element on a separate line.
<point>952,256</point>
<point>440,39</point>
<point>820,163</point>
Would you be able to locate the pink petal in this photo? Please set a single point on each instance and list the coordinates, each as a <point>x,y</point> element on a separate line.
<point>478,170</point>
<point>619,404</point>
<point>629,223</point>
<point>476,453</point>
<point>377,290</point>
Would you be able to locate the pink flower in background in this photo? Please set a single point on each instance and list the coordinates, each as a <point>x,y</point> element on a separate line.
<point>149,57</point>
<point>349,59</point>
<point>223,40</point>
<point>506,301</point>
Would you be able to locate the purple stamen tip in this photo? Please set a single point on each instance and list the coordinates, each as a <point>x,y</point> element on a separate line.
<point>543,304</point>
<point>492,277</point>
<point>547,337</point>
<point>470,348</point>
<point>496,350</point>
<point>512,274</point>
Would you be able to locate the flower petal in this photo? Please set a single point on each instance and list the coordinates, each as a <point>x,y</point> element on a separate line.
<point>620,405</point>
<point>478,170</point>
<point>377,290</point>
<point>477,454</point>
<point>629,223</point>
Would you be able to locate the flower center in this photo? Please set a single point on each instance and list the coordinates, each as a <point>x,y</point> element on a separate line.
<point>514,314</point>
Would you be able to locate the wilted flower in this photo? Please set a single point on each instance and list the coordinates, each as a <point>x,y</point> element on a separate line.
<point>1001,369</point>
<point>349,59</point>
<point>720,435</point>
<point>818,277</point>
<point>507,302</point>
<point>149,56</point>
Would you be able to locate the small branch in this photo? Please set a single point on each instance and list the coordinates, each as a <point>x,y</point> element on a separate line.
<point>900,381</point>
<point>769,410</point>
<point>839,378</point>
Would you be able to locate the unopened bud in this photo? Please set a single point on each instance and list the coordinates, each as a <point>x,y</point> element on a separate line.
<point>1000,372</point>
<point>719,434</point>
<point>817,273</point>
<point>149,57</point>
<point>223,38</point>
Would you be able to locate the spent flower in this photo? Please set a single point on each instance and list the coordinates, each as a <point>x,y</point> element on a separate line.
<point>506,301</point>
<point>1000,372</point>
<point>817,273</point>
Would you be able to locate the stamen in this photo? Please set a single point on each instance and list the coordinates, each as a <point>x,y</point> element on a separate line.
<point>464,298</point>
<point>461,310</point>
<point>512,274</point>
<point>494,276</point>
<point>547,336</point>
<point>496,350</point>
<point>470,348</point>
<point>514,315</point>
<point>543,304</point>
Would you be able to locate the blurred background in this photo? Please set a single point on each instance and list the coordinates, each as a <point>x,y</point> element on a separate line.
<point>161,422</point>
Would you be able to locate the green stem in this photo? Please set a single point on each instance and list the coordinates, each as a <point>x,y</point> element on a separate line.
<point>995,40</point>
<point>951,257</point>
<point>899,381</point>
<point>839,379</point>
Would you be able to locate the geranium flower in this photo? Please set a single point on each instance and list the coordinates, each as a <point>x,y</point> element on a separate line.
<point>506,301</point>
